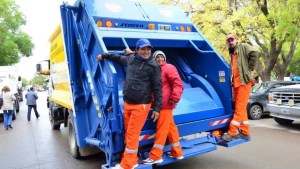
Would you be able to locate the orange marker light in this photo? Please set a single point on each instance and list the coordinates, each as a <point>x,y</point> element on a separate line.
<point>99,23</point>
<point>188,28</point>
<point>182,29</point>
<point>151,26</point>
<point>108,24</point>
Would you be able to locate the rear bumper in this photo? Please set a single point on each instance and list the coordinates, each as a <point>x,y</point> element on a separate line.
<point>284,112</point>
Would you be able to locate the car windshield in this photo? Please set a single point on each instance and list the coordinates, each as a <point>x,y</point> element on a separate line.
<point>261,87</point>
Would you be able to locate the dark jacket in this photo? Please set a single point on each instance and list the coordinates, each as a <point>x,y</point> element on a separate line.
<point>143,77</point>
<point>172,85</point>
<point>247,58</point>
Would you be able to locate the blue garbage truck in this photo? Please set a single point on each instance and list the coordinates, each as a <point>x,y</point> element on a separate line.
<point>86,95</point>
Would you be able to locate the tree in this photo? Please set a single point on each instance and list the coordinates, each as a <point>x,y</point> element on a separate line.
<point>39,80</point>
<point>25,82</point>
<point>271,25</point>
<point>294,67</point>
<point>14,43</point>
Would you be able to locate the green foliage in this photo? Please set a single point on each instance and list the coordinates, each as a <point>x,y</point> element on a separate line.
<point>39,80</point>
<point>13,42</point>
<point>294,67</point>
<point>267,24</point>
<point>25,82</point>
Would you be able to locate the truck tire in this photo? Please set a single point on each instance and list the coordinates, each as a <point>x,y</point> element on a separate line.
<point>72,137</point>
<point>255,112</point>
<point>52,121</point>
<point>283,121</point>
<point>14,113</point>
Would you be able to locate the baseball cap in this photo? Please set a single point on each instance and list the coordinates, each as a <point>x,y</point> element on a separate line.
<point>143,43</point>
<point>230,36</point>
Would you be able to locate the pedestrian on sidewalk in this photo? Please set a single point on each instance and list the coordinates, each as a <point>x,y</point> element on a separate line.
<point>166,128</point>
<point>31,97</point>
<point>7,107</point>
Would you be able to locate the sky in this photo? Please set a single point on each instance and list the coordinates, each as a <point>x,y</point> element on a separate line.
<point>42,16</point>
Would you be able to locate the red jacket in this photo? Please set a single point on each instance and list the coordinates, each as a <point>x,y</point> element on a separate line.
<point>172,87</point>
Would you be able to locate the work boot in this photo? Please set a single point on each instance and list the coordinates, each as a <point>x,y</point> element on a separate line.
<point>170,155</point>
<point>241,136</point>
<point>228,137</point>
<point>150,161</point>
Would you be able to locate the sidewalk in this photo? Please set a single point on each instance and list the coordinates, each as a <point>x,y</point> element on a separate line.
<point>34,145</point>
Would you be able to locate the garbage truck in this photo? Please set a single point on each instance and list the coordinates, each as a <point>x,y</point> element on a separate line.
<point>86,96</point>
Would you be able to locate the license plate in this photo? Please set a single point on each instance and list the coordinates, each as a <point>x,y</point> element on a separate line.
<point>164,27</point>
<point>291,103</point>
<point>278,101</point>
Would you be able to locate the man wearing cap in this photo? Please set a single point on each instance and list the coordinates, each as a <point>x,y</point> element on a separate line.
<point>243,60</point>
<point>143,77</point>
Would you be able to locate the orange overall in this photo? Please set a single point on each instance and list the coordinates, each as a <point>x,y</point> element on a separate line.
<point>166,128</point>
<point>135,116</point>
<point>241,96</point>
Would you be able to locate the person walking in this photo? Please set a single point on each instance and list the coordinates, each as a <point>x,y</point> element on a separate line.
<point>243,60</point>
<point>143,77</point>
<point>172,89</point>
<point>7,107</point>
<point>31,97</point>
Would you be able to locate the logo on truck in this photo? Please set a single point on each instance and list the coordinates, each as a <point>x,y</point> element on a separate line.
<point>132,25</point>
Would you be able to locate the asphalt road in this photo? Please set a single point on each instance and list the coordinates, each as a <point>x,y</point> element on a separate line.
<point>33,145</point>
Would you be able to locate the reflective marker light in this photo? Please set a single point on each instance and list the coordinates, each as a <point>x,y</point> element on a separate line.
<point>99,23</point>
<point>151,26</point>
<point>188,28</point>
<point>182,29</point>
<point>108,24</point>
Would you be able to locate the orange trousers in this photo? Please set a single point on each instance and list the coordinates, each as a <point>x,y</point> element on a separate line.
<point>135,116</point>
<point>166,128</point>
<point>240,116</point>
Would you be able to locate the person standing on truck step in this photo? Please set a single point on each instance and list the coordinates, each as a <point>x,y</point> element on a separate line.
<point>143,77</point>
<point>7,107</point>
<point>31,97</point>
<point>243,60</point>
<point>172,89</point>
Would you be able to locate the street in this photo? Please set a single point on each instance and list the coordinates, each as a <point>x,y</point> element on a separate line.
<point>33,145</point>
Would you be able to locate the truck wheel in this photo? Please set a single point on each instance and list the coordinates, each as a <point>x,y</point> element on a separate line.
<point>283,121</point>
<point>53,125</point>
<point>14,113</point>
<point>255,112</point>
<point>72,138</point>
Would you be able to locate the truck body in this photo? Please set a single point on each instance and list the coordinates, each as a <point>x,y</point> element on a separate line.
<point>10,78</point>
<point>86,96</point>
<point>284,104</point>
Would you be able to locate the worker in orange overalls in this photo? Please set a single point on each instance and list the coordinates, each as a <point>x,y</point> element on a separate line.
<point>243,60</point>
<point>166,128</point>
<point>143,81</point>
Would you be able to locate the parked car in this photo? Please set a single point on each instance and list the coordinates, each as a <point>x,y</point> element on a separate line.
<point>284,104</point>
<point>257,104</point>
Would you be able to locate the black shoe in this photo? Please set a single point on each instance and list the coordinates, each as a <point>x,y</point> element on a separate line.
<point>37,116</point>
<point>6,128</point>
<point>10,126</point>
<point>242,136</point>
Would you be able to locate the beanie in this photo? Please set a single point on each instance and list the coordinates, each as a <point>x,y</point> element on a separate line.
<point>159,52</point>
